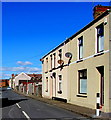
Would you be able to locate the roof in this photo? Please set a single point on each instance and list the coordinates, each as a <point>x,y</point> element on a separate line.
<point>4,79</point>
<point>30,75</point>
<point>77,33</point>
<point>35,75</point>
<point>34,78</point>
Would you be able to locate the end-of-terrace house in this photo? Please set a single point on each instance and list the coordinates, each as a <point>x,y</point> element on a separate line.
<point>18,78</point>
<point>80,67</point>
<point>4,82</point>
<point>26,83</point>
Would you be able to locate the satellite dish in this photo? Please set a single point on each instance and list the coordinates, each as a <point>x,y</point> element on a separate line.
<point>60,61</point>
<point>68,55</point>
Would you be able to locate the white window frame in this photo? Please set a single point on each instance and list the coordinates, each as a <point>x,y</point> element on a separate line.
<point>81,79</point>
<point>47,64</point>
<point>46,84</point>
<point>97,40</point>
<point>51,62</point>
<point>59,83</point>
<point>79,58</point>
<point>54,60</point>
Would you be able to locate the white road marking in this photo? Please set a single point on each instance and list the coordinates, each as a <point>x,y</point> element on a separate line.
<point>18,105</point>
<point>26,115</point>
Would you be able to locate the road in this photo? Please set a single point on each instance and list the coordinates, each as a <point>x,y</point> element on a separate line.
<point>21,107</point>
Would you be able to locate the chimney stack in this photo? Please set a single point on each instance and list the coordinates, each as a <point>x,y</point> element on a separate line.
<point>12,75</point>
<point>98,10</point>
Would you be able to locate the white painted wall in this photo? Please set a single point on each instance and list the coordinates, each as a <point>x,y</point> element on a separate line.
<point>21,76</point>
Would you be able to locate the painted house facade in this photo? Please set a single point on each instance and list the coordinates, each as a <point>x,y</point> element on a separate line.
<point>20,77</point>
<point>80,67</point>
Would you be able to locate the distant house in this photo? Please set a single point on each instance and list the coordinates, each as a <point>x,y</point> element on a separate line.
<point>26,83</point>
<point>4,82</point>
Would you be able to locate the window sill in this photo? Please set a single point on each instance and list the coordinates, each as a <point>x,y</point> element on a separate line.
<point>53,68</point>
<point>84,96</point>
<point>59,67</point>
<point>79,60</point>
<point>98,54</point>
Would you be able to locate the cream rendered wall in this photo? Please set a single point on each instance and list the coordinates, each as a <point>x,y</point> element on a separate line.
<point>63,72</point>
<point>93,77</point>
<point>58,72</point>
<point>70,73</point>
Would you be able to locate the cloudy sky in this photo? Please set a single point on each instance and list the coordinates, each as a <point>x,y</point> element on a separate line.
<point>31,29</point>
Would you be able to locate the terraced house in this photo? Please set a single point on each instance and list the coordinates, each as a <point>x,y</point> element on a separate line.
<point>80,67</point>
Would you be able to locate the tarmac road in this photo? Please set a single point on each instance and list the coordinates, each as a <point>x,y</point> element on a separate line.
<point>21,107</point>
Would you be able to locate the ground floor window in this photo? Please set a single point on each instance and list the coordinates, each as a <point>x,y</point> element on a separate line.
<point>82,81</point>
<point>60,84</point>
<point>46,84</point>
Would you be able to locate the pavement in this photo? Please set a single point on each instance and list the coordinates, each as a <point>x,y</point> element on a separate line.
<point>20,107</point>
<point>86,112</point>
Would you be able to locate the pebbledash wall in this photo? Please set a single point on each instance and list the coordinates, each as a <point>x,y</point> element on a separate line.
<point>89,71</point>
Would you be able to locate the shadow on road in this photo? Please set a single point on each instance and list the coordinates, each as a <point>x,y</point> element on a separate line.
<point>5,102</point>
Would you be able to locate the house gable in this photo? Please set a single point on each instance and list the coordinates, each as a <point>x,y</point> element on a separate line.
<point>21,76</point>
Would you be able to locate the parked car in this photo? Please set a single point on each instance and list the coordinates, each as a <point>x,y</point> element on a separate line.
<point>3,89</point>
<point>9,88</point>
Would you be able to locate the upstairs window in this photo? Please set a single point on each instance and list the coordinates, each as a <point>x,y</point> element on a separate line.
<point>80,47</point>
<point>60,54</point>
<point>54,60</point>
<point>51,61</point>
<point>46,64</point>
<point>100,38</point>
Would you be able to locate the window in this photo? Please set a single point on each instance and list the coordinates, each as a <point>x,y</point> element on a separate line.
<point>100,38</point>
<point>51,61</point>
<point>60,84</point>
<point>60,54</point>
<point>80,47</point>
<point>54,60</point>
<point>46,84</point>
<point>46,64</point>
<point>83,81</point>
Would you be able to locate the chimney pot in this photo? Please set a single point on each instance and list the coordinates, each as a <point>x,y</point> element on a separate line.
<point>99,9</point>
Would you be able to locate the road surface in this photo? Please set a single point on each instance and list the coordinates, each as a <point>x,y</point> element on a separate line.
<point>18,107</point>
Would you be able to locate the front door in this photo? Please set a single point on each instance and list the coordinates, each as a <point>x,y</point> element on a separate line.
<point>101,72</point>
<point>54,85</point>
